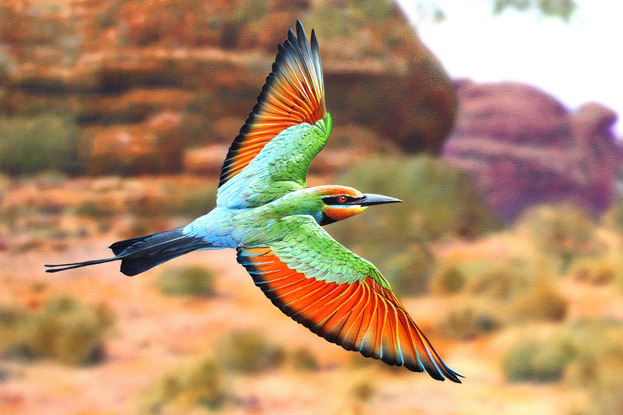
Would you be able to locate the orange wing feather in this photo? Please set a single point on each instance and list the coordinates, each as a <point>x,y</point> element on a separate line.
<point>362,316</point>
<point>293,94</point>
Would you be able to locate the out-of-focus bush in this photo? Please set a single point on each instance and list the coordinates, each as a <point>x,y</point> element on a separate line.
<point>249,352</point>
<point>448,279</point>
<point>94,209</point>
<point>566,236</point>
<point>562,231</point>
<point>64,330</point>
<point>31,144</point>
<point>540,301</point>
<point>587,355</point>
<point>492,294</point>
<point>363,391</point>
<point>596,366</point>
<point>187,280</point>
<point>472,318</point>
<point>198,384</point>
<point>603,269</point>
<point>438,201</point>
<point>303,359</point>
<point>540,360</point>
<point>409,271</point>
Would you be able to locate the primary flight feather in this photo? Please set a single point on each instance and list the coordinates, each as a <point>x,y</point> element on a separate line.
<point>274,221</point>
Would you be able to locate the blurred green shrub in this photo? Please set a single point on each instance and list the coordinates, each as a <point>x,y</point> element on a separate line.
<point>540,301</point>
<point>540,360</point>
<point>598,366</point>
<point>199,384</point>
<point>363,391</point>
<point>249,352</point>
<point>408,271</point>
<point>439,201</point>
<point>36,143</point>
<point>603,269</point>
<point>303,359</point>
<point>187,280</point>
<point>492,294</point>
<point>561,231</point>
<point>63,330</point>
<point>567,237</point>
<point>94,209</point>
<point>472,318</point>
<point>447,279</point>
<point>587,355</point>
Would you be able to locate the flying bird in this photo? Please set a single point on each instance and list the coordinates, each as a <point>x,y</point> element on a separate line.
<point>266,212</point>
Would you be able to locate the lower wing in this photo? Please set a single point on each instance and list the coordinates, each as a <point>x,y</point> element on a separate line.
<point>363,315</point>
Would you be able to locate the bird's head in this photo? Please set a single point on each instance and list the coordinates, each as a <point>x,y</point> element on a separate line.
<point>341,202</point>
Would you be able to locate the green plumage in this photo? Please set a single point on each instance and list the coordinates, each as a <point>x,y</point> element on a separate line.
<point>280,168</point>
<point>302,244</point>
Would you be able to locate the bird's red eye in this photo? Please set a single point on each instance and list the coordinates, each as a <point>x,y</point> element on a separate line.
<point>342,199</point>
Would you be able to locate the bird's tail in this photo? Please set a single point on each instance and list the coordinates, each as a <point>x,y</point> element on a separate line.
<point>145,252</point>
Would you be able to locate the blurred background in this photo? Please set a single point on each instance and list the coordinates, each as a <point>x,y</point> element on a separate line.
<point>494,120</point>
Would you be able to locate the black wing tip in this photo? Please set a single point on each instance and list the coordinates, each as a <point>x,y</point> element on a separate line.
<point>455,377</point>
<point>300,31</point>
<point>314,40</point>
<point>292,38</point>
<point>445,373</point>
<point>440,371</point>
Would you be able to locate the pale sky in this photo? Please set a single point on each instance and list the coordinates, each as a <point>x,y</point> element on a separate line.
<point>576,62</point>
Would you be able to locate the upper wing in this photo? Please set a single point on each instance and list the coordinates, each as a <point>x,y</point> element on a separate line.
<point>293,94</point>
<point>338,295</point>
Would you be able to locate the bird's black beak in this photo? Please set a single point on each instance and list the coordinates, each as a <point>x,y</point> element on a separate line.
<point>370,199</point>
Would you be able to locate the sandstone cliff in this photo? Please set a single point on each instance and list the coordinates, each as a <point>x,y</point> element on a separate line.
<point>523,147</point>
<point>118,65</point>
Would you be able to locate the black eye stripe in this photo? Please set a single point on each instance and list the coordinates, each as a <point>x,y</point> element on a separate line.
<point>335,200</point>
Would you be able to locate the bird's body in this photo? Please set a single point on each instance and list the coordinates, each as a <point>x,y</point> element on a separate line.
<point>268,214</point>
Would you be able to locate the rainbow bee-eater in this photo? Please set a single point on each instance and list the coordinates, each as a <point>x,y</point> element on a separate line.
<point>266,212</point>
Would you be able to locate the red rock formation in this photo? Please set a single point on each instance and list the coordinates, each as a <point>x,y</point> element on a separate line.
<point>522,147</point>
<point>114,64</point>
